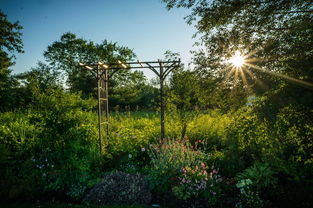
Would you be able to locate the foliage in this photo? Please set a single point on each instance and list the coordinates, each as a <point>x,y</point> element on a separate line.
<point>167,160</point>
<point>32,83</point>
<point>17,137</point>
<point>54,142</point>
<point>178,167</point>
<point>249,198</point>
<point>132,91</point>
<point>210,128</point>
<point>58,205</point>
<point>120,188</point>
<point>272,34</point>
<point>65,54</point>
<point>183,96</point>
<point>260,174</point>
<point>10,42</point>
<point>68,145</point>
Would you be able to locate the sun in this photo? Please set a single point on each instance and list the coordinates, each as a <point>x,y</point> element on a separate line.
<point>237,60</point>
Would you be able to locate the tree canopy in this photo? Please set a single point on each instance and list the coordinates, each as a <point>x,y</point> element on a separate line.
<point>276,38</point>
<point>65,54</point>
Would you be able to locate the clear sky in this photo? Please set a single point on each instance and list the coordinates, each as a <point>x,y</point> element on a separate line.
<point>145,26</point>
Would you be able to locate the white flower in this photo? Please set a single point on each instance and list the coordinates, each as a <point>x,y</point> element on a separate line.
<point>130,156</point>
<point>143,149</point>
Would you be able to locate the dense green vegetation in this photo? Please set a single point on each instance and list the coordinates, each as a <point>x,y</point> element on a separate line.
<point>40,205</point>
<point>235,136</point>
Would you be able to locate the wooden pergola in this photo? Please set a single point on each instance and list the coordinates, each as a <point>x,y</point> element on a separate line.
<point>104,71</point>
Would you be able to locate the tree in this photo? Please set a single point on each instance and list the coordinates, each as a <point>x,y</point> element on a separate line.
<point>10,42</point>
<point>31,83</point>
<point>133,91</point>
<point>65,54</point>
<point>184,95</point>
<point>276,37</point>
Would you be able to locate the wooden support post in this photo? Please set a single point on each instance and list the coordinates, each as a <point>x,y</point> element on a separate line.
<point>162,100</point>
<point>99,107</point>
<point>106,80</point>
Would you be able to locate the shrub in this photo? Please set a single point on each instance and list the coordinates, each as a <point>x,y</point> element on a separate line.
<point>17,139</point>
<point>67,147</point>
<point>50,147</point>
<point>120,188</point>
<point>210,128</point>
<point>167,160</point>
<point>260,174</point>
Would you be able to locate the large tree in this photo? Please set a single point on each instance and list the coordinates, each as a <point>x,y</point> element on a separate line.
<point>65,54</point>
<point>10,42</point>
<point>275,36</point>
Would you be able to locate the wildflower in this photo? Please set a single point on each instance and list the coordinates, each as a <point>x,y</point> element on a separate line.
<point>130,156</point>
<point>143,149</point>
<point>202,165</point>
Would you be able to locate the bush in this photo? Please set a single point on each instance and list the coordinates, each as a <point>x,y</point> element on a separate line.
<point>51,147</point>
<point>260,174</point>
<point>17,139</point>
<point>120,188</point>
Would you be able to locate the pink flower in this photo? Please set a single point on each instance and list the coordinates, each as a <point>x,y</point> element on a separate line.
<point>202,165</point>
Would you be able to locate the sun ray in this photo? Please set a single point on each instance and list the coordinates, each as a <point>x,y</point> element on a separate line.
<point>223,83</point>
<point>229,74</point>
<point>252,60</point>
<point>251,53</point>
<point>258,81</point>
<point>245,82</point>
<point>297,81</point>
<point>236,73</point>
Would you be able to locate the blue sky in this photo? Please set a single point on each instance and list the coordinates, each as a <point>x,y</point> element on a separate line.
<point>145,26</point>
